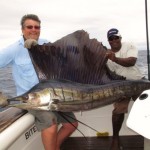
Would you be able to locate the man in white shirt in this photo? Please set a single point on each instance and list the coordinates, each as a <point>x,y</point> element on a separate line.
<point>121,60</point>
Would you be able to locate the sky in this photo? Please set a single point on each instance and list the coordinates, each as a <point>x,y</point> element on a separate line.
<point>62,17</point>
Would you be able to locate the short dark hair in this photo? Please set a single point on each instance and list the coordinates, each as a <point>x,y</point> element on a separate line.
<point>29,16</point>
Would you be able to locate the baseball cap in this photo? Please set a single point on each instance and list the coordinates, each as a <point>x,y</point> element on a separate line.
<point>113,32</point>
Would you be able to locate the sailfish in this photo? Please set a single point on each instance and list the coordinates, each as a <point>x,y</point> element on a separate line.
<point>73,76</point>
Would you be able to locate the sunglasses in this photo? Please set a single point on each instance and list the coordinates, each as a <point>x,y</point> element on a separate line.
<point>31,27</point>
<point>113,38</point>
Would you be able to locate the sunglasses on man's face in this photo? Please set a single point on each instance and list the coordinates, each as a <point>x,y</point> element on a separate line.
<point>31,27</point>
<point>113,38</point>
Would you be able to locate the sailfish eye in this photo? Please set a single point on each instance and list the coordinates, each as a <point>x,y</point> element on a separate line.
<point>25,98</point>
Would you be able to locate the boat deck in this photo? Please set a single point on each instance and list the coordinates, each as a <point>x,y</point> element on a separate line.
<point>135,142</point>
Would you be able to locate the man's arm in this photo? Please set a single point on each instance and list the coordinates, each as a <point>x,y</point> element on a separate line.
<point>126,62</point>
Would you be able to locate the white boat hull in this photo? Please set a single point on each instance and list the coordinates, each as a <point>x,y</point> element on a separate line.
<point>21,135</point>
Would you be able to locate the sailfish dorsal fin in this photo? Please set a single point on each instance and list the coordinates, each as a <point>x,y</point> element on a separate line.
<point>74,57</point>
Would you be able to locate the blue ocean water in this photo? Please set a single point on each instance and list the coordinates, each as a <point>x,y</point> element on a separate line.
<point>7,85</point>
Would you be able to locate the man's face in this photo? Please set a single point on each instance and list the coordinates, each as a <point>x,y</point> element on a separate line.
<point>31,29</point>
<point>115,42</point>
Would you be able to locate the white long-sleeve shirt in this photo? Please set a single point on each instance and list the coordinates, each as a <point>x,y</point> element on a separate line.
<point>23,71</point>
